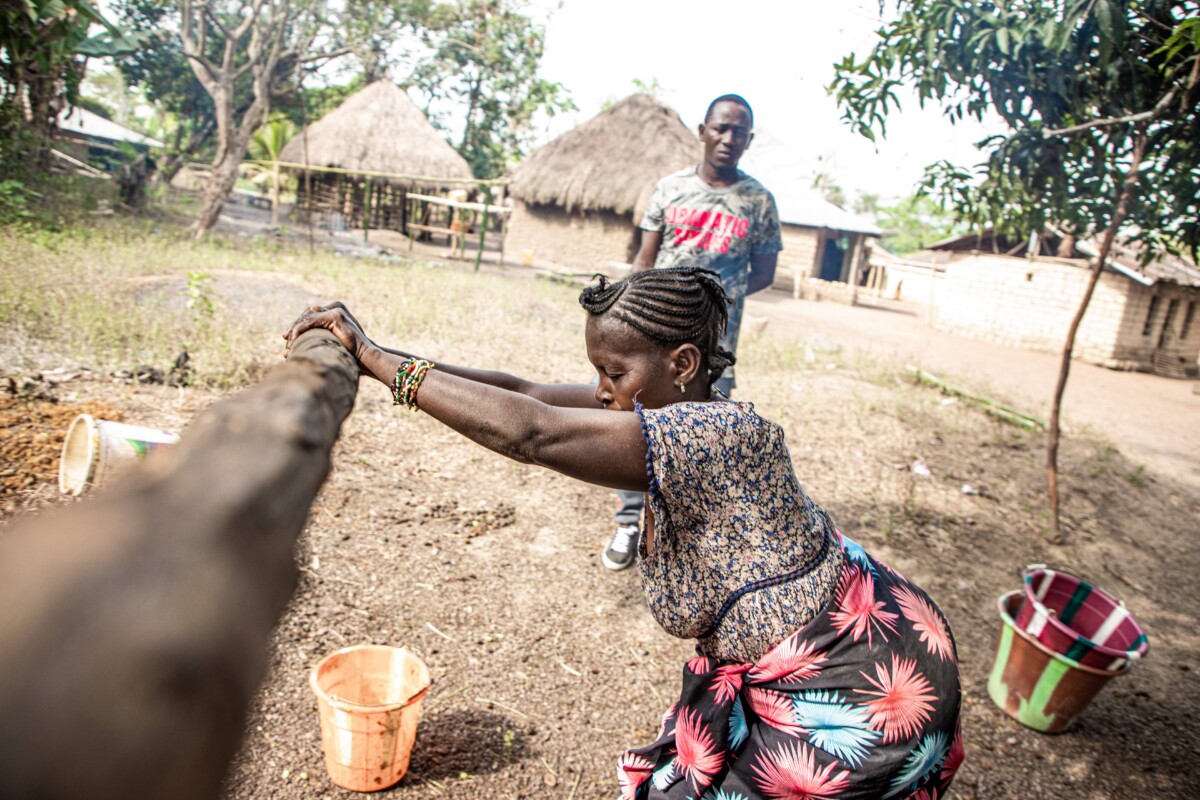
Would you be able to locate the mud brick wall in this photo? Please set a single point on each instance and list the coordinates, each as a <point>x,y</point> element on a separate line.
<point>1029,304</point>
<point>581,240</point>
<point>830,291</point>
<point>798,258</point>
<point>916,283</point>
<point>1146,318</point>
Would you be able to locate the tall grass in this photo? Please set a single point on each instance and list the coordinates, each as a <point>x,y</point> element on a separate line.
<point>113,294</point>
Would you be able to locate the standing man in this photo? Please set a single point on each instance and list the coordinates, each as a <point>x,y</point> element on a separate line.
<point>714,216</point>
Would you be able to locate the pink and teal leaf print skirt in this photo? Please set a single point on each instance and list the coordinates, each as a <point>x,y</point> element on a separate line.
<point>862,702</point>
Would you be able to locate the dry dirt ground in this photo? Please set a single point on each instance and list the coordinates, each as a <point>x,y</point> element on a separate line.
<point>546,666</point>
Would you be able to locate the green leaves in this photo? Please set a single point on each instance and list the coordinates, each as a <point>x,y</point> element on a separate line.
<point>1111,25</point>
<point>1184,40</point>
<point>42,41</point>
<point>484,56</point>
<point>121,43</point>
<point>269,140</point>
<point>1043,66</point>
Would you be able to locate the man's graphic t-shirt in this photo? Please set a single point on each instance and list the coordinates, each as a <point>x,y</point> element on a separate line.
<point>718,229</point>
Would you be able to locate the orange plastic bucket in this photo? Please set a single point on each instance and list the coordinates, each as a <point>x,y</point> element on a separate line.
<point>369,698</point>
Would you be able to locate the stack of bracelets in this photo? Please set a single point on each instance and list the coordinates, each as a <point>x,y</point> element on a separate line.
<point>407,382</point>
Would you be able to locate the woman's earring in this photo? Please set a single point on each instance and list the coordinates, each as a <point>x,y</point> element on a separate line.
<point>682,387</point>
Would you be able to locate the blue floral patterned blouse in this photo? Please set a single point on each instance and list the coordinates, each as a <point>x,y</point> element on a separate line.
<point>742,557</point>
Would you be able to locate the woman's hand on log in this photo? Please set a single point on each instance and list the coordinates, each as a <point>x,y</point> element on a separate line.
<point>336,319</point>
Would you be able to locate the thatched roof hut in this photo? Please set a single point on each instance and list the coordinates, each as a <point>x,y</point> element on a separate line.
<point>611,162</point>
<point>581,197</point>
<point>378,129</point>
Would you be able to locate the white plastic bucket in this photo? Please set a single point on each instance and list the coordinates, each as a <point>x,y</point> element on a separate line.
<point>96,449</point>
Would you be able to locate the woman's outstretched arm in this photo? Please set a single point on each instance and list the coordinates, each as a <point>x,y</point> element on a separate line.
<point>594,445</point>
<point>566,395</point>
<point>602,447</point>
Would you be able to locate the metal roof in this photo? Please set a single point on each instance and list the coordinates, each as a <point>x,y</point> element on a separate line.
<point>802,206</point>
<point>82,122</point>
<point>1123,258</point>
<point>776,165</point>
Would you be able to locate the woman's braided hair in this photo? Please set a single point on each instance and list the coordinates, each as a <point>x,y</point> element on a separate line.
<point>670,306</point>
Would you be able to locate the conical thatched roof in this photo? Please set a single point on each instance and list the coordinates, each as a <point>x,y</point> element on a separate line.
<point>612,161</point>
<point>378,129</point>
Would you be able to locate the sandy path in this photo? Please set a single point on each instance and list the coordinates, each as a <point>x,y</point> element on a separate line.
<point>1151,419</point>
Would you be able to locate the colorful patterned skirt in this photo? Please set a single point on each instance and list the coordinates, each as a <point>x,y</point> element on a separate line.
<point>862,702</point>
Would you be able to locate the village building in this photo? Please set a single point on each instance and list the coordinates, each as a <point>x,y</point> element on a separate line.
<point>1024,293</point>
<point>85,137</point>
<point>579,200</point>
<point>825,247</point>
<point>915,278</point>
<point>375,148</point>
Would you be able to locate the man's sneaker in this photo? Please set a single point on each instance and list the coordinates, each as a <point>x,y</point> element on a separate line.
<point>622,550</point>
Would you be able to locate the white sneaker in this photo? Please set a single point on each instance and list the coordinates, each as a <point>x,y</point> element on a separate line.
<point>622,550</point>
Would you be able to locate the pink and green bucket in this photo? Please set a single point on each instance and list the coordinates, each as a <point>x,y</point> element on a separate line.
<point>1078,620</point>
<point>1061,641</point>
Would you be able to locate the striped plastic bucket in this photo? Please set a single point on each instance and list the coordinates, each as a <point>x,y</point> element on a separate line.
<point>1034,685</point>
<point>1083,623</point>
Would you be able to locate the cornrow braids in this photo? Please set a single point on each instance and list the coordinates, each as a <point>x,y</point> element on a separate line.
<point>669,306</point>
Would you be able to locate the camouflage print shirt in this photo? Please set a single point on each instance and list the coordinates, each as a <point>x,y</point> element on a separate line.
<point>715,228</point>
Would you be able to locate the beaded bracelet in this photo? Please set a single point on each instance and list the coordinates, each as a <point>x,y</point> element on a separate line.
<point>408,380</point>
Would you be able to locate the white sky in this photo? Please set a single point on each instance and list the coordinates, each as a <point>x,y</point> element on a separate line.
<point>777,54</point>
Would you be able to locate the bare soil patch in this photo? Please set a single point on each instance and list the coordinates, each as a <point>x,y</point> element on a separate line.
<point>546,666</point>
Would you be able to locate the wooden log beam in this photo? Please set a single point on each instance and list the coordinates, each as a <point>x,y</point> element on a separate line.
<point>134,625</point>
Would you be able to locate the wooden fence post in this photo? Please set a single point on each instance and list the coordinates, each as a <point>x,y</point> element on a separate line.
<point>487,202</point>
<point>134,625</point>
<point>367,211</point>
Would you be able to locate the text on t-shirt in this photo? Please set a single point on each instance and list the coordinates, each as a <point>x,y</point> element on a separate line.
<point>704,229</point>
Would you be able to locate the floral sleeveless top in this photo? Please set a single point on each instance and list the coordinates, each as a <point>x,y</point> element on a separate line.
<point>741,558</point>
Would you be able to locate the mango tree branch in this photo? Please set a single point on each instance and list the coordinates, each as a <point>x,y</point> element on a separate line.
<point>193,45</point>
<point>248,20</point>
<point>1124,198</point>
<point>215,20</point>
<point>342,51</point>
<point>1141,117</point>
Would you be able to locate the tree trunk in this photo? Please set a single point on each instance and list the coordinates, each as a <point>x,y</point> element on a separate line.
<point>41,122</point>
<point>172,162</point>
<point>469,129</point>
<point>216,192</point>
<point>225,166</point>
<point>1126,194</point>
<point>135,626</point>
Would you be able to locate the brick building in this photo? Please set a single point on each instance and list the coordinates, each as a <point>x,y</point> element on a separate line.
<point>578,200</point>
<point>824,247</point>
<point>1025,294</point>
